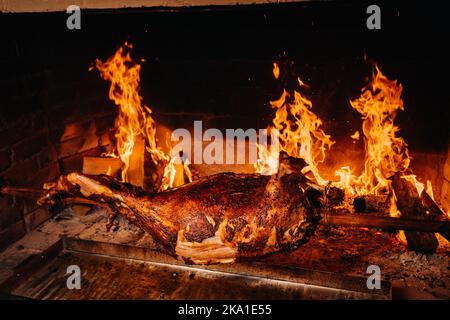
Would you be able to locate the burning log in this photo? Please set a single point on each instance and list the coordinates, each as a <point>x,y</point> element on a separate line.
<point>135,174</point>
<point>179,175</point>
<point>96,165</point>
<point>410,205</point>
<point>434,211</point>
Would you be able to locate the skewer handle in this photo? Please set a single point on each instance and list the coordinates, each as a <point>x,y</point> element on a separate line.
<point>385,223</point>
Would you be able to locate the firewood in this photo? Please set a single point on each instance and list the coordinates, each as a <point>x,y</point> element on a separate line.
<point>136,169</point>
<point>434,212</point>
<point>410,205</point>
<point>179,175</point>
<point>97,165</point>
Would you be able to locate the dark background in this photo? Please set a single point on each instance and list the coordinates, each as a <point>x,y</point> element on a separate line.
<point>218,60</point>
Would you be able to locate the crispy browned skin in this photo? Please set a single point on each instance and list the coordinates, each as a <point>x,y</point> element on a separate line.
<point>217,219</point>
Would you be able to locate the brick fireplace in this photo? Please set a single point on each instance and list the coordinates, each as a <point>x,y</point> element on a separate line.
<point>55,112</point>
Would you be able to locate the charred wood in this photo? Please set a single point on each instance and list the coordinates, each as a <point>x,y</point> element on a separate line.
<point>410,205</point>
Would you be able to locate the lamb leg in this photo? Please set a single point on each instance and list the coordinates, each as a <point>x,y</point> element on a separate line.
<point>217,219</point>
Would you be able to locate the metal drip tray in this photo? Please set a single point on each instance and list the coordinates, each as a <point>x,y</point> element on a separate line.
<point>115,271</point>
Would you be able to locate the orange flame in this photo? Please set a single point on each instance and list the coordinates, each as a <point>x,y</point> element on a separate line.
<point>134,118</point>
<point>386,153</point>
<point>276,70</point>
<point>429,189</point>
<point>355,136</point>
<point>267,163</point>
<point>300,133</point>
<point>413,179</point>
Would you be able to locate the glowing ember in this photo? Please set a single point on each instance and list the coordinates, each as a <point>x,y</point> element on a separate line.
<point>355,136</point>
<point>276,70</point>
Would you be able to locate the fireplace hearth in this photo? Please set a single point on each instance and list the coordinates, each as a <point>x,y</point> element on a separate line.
<point>93,118</point>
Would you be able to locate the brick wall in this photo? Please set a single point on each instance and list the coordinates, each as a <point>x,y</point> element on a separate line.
<point>51,116</point>
<point>445,190</point>
<point>61,5</point>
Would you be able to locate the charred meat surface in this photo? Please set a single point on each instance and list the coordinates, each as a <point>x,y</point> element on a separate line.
<point>222,218</point>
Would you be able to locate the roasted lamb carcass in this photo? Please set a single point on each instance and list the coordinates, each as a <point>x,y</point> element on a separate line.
<point>218,219</point>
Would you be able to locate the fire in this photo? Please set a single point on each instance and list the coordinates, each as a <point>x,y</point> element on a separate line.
<point>267,163</point>
<point>187,171</point>
<point>355,136</point>
<point>134,120</point>
<point>300,133</point>
<point>386,153</point>
<point>429,189</point>
<point>276,70</point>
<point>169,175</point>
<point>413,179</point>
<point>345,179</point>
<point>393,210</point>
